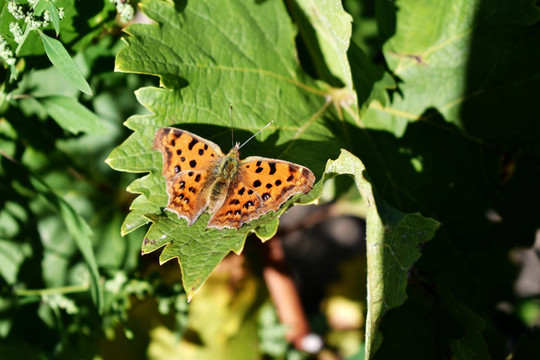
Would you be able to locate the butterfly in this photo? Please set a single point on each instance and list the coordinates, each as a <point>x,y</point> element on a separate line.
<point>200,177</point>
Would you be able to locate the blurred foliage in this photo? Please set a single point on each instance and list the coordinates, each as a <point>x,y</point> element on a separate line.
<point>444,119</point>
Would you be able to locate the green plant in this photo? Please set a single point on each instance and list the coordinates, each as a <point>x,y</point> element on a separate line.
<point>436,128</point>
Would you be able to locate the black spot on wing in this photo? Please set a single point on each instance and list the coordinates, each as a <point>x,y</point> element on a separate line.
<point>182,185</point>
<point>256,183</point>
<point>166,131</point>
<point>201,151</point>
<point>268,186</point>
<point>234,202</point>
<point>259,163</point>
<point>259,170</point>
<point>265,196</point>
<point>272,168</point>
<point>192,143</point>
<point>177,169</point>
<point>241,191</point>
<point>178,152</point>
<point>198,178</point>
<point>193,163</point>
<point>278,182</point>
<point>289,179</point>
<point>248,204</point>
<point>250,192</point>
<point>173,142</point>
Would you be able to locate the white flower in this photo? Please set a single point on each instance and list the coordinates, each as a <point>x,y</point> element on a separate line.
<point>17,32</point>
<point>46,16</point>
<point>16,10</point>
<point>126,12</point>
<point>124,9</point>
<point>5,52</point>
<point>34,24</point>
<point>62,302</point>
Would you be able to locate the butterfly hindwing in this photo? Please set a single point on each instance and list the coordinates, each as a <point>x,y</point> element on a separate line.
<point>242,204</point>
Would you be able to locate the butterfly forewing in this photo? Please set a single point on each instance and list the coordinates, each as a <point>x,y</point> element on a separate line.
<point>188,161</point>
<point>183,151</point>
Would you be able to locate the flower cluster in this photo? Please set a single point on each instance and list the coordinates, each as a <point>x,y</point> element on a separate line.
<point>5,52</point>
<point>125,10</point>
<point>61,302</point>
<point>16,10</point>
<point>24,12</point>
<point>17,32</point>
<point>20,12</point>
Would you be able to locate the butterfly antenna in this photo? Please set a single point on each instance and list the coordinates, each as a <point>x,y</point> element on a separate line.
<point>232,129</point>
<point>252,136</point>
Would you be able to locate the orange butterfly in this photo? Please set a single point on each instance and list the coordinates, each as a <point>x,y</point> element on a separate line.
<point>199,177</point>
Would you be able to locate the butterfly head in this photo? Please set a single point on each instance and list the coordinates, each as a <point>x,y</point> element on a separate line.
<point>235,151</point>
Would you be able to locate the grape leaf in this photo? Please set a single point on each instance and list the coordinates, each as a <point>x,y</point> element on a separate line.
<point>250,63</point>
<point>393,242</point>
<point>426,54</point>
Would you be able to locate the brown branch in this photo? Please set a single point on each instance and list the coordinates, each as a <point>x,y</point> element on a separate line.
<point>283,292</point>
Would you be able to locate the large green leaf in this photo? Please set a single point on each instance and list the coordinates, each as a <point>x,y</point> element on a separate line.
<point>249,62</point>
<point>255,69</point>
<point>326,30</point>
<point>430,53</point>
<point>393,241</point>
<point>469,72</point>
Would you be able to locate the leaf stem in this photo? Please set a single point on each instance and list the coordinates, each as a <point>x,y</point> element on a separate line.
<point>58,290</point>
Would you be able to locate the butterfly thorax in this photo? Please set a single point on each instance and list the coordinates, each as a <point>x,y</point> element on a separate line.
<point>228,165</point>
<point>224,173</point>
